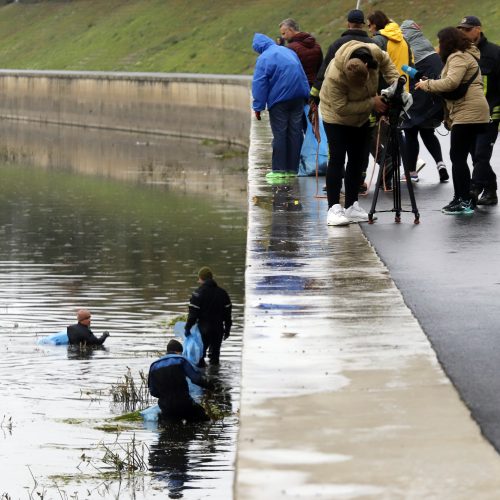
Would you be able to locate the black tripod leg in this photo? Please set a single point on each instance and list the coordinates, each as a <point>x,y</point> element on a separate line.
<point>377,187</point>
<point>413,201</point>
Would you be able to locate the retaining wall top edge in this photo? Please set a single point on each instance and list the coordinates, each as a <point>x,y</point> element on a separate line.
<point>122,75</point>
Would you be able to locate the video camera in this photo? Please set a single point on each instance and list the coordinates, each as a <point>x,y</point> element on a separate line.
<point>398,100</point>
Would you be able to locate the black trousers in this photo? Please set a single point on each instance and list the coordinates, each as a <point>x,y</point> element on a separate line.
<point>353,142</point>
<point>412,147</point>
<point>462,141</point>
<point>483,175</point>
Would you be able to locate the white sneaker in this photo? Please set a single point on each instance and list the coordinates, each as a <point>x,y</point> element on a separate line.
<point>336,216</point>
<point>356,214</point>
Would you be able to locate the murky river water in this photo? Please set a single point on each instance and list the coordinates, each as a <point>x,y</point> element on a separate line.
<point>126,242</point>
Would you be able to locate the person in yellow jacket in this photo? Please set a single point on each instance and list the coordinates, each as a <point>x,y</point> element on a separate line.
<point>388,36</point>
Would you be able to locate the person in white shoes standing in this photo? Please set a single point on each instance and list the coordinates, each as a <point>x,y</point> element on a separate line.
<point>347,97</point>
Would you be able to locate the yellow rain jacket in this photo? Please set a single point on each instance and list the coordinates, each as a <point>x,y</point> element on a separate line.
<point>391,40</point>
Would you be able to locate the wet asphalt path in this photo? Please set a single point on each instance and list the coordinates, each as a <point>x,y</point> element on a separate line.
<point>448,270</point>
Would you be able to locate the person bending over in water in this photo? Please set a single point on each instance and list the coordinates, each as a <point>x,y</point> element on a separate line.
<point>81,334</point>
<point>167,382</point>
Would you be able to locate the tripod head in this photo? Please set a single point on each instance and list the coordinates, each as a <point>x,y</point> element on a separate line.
<point>398,100</point>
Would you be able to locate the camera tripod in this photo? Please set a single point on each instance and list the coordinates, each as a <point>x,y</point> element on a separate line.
<point>391,147</point>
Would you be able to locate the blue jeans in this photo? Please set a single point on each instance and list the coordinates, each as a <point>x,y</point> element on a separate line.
<point>286,124</point>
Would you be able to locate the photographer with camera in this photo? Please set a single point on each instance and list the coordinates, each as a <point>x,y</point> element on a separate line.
<point>467,110</point>
<point>347,98</point>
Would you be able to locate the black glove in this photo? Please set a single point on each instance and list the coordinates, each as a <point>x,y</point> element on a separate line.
<point>187,333</point>
<point>105,334</point>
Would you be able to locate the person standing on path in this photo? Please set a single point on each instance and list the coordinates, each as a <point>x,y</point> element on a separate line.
<point>466,116</point>
<point>280,84</point>
<point>484,179</point>
<point>348,96</point>
<point>304,45</point>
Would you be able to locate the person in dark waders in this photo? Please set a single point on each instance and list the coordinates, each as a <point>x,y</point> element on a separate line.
<point>210,307</point>
<point>167,382</point>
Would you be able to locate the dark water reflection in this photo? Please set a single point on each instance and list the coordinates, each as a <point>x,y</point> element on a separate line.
<point>129,251</point>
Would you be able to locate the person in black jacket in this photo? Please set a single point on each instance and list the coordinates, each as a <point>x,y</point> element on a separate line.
<point>210,307</point>
<point>81,334</point>
<point>167,382</point>
<point>355,31</point>
<point>484,179</point>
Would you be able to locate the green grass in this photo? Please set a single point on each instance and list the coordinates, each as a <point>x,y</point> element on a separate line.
<point>196,36</point>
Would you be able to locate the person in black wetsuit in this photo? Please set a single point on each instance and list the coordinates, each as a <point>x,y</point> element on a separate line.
<point>81,334</point>
<point>167,382</point>
<point>210,307</point>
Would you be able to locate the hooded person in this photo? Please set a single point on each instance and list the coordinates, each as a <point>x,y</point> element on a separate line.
<point>280,84</point>
<point>347,98</point>
<point>427,110</point>
<point>388,36</point>
<point>304,45</point>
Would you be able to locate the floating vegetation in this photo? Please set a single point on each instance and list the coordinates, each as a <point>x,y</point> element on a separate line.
<point>134,416</point>
<point>173,321</point>
<point>129,393</point>
<point>120,458</point>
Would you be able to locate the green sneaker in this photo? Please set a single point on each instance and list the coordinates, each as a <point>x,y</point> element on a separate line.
<point>276,174</point>
<point>291,173</point>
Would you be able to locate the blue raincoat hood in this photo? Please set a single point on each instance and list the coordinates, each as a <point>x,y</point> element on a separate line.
<point>261,42</point>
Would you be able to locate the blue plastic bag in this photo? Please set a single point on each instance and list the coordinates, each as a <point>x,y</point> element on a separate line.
<point>192,345</point>
<point>60,338</point>
<point>150,414</point>
<point>309,150</point>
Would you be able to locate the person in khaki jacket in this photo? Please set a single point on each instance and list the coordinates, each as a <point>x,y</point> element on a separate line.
<point>347,98</point>
<point>466,117</point>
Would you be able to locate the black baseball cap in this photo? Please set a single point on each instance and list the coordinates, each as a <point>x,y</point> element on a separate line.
<point>469,22</point>
<point>356,16</point>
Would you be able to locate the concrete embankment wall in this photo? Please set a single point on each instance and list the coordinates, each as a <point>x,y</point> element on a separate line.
<point>183,105</point>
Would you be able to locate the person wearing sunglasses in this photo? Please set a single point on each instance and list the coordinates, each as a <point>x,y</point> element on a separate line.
<point>81,334</point>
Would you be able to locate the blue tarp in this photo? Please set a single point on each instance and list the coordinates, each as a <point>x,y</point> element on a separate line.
<point>60,338</point>
<point>309,150</point>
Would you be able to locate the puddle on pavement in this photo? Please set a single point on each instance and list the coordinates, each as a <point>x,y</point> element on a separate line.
<point>129,251</point>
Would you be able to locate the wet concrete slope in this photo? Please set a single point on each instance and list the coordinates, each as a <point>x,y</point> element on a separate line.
<point>342,394</point>
<point>448,271</point>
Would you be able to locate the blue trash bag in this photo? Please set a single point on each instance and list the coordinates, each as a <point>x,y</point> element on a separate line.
<point>60,338</point>
<point>309,150</point>
<point>192,345</point>
<point>150,414</point>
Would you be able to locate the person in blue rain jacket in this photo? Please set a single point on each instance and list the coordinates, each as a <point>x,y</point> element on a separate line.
<point>280,84</point>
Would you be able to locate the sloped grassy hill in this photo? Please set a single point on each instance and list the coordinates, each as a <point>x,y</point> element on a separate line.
<point>191,36</point>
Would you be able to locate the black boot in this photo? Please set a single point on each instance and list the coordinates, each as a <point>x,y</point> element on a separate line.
<point>489,197</point>
<point>475,191</point>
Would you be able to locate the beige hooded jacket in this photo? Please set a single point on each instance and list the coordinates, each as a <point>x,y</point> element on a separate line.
<point>344,103</point>
<point>459,68</point>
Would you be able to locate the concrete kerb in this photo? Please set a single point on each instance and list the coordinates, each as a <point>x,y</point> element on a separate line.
<point>342,394</point>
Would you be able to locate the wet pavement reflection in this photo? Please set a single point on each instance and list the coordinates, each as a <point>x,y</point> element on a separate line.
<point>129,251</point>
